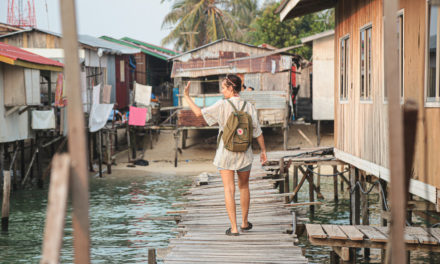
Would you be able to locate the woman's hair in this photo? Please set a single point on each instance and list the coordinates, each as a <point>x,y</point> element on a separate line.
<point>234,81</point>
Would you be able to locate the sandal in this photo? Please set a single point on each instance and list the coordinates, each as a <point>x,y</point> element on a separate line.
<point>229,233</point>
<point>249,227</point>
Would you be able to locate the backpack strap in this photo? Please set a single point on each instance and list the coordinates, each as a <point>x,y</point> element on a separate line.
<point>244,104</point>
<point>233,106</point>
<point>219,138</point>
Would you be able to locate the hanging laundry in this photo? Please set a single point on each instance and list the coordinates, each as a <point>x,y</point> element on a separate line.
<point>96,94</point>
<point>83,76</point>
<point>99,115</point>
<point>137,117</point>
<point>59,91</point>
<point>43,119</point>
<point>142,94</point>
<point>106,91</point>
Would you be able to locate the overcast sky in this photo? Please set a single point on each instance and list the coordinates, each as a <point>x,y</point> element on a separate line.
<point>140,19</point>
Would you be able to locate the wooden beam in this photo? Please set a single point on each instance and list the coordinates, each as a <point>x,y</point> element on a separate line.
<point>395,136</point>
<point>56,209</point>
<point>76,136</point>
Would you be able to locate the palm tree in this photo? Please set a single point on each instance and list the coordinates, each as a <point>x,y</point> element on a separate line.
<point>244,12</point>
<point>198,22</point>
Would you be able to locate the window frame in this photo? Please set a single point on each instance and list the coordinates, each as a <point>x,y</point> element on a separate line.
<point>344,100</point>
<point>368,67</point>
<point>436,100</point>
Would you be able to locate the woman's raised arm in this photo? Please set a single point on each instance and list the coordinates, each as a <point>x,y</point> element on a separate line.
<point>197,111</point>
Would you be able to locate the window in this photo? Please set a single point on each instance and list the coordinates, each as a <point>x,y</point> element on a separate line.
<point>432,88</point>
<point>366,63</point>
<point>343,71</point>
<point>400,37</point>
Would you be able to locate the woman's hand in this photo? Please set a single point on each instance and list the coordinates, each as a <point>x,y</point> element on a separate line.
<point>263,157</point>
<point>186,90</point>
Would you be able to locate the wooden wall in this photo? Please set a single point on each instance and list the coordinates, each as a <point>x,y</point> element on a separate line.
<point>34,39</point>
<point>361,128</point>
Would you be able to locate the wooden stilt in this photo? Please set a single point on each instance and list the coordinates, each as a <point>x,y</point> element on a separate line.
<point>90,150</point>
<point>15,167</point>
<point>364,209</point>
<point>335,184</point>
<point>318,133</point>
<point>99,145</point>
<point>354,197</point>
<point>184,138</point>
<point>176,142</point>
<point>127,132</point>
<point>108,149</point>
<point>6,196</point>
<point>311,192</point>
<point>318,178</point>
<point>29,170</point>
<point>56,210</point>
<point>285,174</point>
<point>150,132</point>
<point>77,141</point>
<point>22,160</point>
<point>31,157</point>
<point>285,133</point>
<point>295,182</point>
<point>342,175</point>
<point>39,173</point>
<point>134,143</point>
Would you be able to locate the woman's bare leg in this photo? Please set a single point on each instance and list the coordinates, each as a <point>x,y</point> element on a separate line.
<point>245,196</point>
<point>229,187</point>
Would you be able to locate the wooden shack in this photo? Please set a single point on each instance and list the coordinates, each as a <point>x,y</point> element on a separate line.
<point>267,71</point>
<point>98,59</point>
<point>20,73</point>
<point>153,66</point>
<point>361,116</point>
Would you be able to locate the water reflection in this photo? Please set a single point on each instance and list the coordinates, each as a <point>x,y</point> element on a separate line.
<point>118,208</point>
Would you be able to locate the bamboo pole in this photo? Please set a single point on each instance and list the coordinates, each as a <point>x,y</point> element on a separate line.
<point>77,141</point>
<point>396,146</point>
<point>56,209</point>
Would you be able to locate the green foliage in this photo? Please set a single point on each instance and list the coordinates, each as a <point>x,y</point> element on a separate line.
<point>268,29</point>
<point>198,22</point>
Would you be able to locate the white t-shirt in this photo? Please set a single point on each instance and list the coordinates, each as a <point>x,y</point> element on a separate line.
<point>218,113</point>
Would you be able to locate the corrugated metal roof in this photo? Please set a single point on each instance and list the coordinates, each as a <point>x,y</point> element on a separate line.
<point>318,36</point>
<point>215,42</point>
<point>108,46</point>
<point>148,51</point>
<point>151,46</point>
<point>15,53</point>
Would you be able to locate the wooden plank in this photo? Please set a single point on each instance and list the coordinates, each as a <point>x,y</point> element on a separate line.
<point>334,232</point>
<point>76,135</point>
<point>352,232</point>
<point>421,235</point>
<point>435,232</point>
<point>410,239</point>
<point>372,233</point>
<point>56,209</point>
<point>315,230</point>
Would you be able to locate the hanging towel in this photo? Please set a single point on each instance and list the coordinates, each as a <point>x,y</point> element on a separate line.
<point>137,116</point>
<point>43,119</point>
<point>99,116</point>
<point>142,94</point>
<point>106,91</point>
<point>96,94</point>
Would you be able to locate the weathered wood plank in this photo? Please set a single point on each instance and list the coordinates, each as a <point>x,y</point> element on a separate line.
<point>372,233</point>
<point>352,232</point>
<point>316,231</point>
<point>334,232</point>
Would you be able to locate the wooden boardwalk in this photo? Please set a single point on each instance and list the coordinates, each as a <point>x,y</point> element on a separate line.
<point>204,221</point>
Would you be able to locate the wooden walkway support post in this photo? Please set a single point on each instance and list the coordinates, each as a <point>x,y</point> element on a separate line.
<point>311,190</point>
<point>354,197</point>
<point>152,256</point>
<point>395,136</point>
<point>76,135</point>
<point>335,184</point>
<point>56,209</point>
<point>295,182</point>
<point>364,210</point>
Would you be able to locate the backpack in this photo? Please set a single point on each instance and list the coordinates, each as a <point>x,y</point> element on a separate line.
<point>237,133</point>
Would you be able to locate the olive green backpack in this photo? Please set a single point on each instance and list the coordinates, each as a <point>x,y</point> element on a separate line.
<point>237,133</point>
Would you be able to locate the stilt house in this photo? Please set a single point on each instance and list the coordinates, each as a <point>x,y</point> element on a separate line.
<point>361,115</point>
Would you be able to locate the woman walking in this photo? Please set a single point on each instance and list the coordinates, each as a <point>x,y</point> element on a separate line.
<point>227,161</point>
